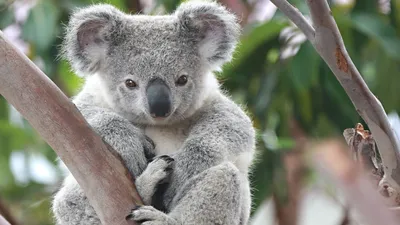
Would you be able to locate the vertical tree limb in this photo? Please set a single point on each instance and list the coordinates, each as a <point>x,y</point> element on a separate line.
<point>287,212</point>
<point>100,173</point>
<point>329,44</point>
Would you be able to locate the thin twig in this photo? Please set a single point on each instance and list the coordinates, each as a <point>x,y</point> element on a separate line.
<point>329,44</point>
<point>296,17</point>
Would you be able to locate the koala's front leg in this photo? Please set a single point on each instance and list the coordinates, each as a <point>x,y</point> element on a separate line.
<point>214,196</point>
<point>128,140</point>
<point>70,206</point>
<point>221,135</point>
<point>157,172</point>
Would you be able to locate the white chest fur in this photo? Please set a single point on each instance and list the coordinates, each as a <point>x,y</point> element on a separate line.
<point>166,139</point>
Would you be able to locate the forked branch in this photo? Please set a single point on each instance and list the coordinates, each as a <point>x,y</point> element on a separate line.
<point>329,44</point>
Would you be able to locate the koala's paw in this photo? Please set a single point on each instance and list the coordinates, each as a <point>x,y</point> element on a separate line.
<point>148,215</point>
<point>160,168</point>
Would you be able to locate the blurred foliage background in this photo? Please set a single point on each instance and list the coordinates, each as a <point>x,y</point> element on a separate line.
<point>275,73</point>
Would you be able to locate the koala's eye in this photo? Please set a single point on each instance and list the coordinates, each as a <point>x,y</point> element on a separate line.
<point>182,80</point>
<point>130,83</point>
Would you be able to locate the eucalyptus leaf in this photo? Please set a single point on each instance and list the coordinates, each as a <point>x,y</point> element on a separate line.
<point>6,16</point>
<point>41,27</point>
<point>374,27</point>
<point>252,41</point>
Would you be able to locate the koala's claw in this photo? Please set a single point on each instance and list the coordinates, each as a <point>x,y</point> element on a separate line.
<point>170,164</point>
<point>130,216</point>
<point>166,158</point>
<point>149,215</point>
<point>160,168</point>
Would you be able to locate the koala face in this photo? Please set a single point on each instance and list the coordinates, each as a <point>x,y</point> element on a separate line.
<point>152,69</point>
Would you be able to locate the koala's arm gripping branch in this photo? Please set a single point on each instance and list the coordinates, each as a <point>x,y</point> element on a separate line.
<point>100,173</point>
<point>328,42</point>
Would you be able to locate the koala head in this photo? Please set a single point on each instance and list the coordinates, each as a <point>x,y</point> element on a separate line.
<point>152,69</point>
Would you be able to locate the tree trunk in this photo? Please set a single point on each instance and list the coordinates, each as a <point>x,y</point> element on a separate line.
<point>97,168</point>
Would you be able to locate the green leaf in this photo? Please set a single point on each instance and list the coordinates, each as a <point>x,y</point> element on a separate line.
<point>6,16</point>
<point>335,102</point>
<point>3,3</point>
<point>394,14</point>
<point>169,5</point>
<point>120,4</point>
<point>303,73</point>
<point>250,58</point>
<point>386,82</point>
<point>41,27</point>
<point>69,80</point>
<point>265,92</point>
<point>304,67</point>
<point>375,28</point>
<point>263,173</point>
<point>3,109</point>
<point>253,41</point>
<point>368,6</point>
<point>5,172</point>
<point>15,137</point>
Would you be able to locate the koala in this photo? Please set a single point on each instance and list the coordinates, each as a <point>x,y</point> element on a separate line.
<point>150,90</point>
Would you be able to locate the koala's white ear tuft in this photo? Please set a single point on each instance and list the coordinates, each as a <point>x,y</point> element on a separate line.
<point>213,27</point>
<point>88,36</point>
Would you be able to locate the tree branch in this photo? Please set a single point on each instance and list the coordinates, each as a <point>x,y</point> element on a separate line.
<point>6,213</point>
<point>296,17</point>
<point>3,221</point>
<point>362,145</point>
<point>100,173</point>
<point>329,44</point>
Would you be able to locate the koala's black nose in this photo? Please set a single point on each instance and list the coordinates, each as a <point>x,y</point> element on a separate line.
<point>159,98</point>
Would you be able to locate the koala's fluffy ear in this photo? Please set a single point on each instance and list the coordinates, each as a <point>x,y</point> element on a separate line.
<point>88,37</point>
<point>213,27</point>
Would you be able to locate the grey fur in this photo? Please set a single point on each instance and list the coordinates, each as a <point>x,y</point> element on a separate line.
<point>210,138</point>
